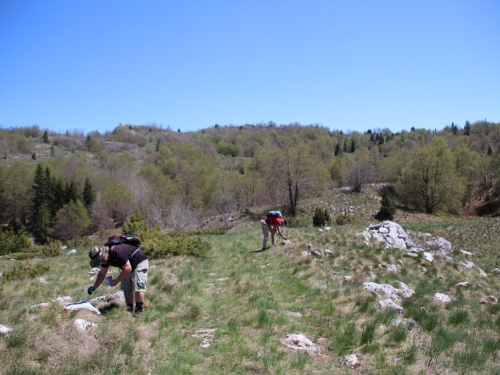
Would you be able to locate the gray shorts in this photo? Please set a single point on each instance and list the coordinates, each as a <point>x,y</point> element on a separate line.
<point>137,280</point>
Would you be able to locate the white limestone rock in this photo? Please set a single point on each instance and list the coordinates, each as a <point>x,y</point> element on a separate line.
<point>5,330</point>
<point>82,325</point>
<point>82,306</point>
<point>299,342</point>
<point>390,304</point>
<point>385,289</point>
<point>72,252</point>
<point>350,360</point>
<point>442,297</point>
<point>439,246</point>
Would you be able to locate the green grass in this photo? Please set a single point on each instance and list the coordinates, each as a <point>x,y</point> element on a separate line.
<point>253,300</point>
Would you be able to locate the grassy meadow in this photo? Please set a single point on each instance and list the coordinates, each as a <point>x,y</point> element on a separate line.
<point>229,312</point>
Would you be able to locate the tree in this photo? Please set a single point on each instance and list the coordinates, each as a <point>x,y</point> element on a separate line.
<point>358,174</point>
<point>387,204</point>
<point>46,136</point>
<point>88,194</point>
<point>429,181</point>
<point>71,221</point>
<point>40,218</point>
<point>467,128</point>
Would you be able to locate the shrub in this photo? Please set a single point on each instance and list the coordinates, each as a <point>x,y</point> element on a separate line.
<point>52,248</point>
<point>25,270</point>
<point>13,241</point>
<point>387,205</point>
<point>159,245</point>
<point>344,219</point>
<point>321,217</point>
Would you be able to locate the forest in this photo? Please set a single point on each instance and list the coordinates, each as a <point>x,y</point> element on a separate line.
<point>65,186</point>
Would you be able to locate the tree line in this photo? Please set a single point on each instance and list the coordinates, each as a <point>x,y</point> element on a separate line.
<point>65,185</point>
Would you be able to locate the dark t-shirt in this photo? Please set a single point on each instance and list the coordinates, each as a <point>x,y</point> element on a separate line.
<point>119,255</point>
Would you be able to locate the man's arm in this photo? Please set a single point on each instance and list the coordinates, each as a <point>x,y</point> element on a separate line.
<point>100,276</point>
<point>126,269</point>
<point>280,232</point>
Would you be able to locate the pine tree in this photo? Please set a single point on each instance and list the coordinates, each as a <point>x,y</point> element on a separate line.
<point>467,128</point>
<point>387,205</point>
<point>337,149</point>
<point>46,136</point>
<point>39,205</point>
<point>88,194</point>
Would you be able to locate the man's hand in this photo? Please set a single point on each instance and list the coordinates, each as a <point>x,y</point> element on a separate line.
<point>113,282</point>
<point>91,289</point>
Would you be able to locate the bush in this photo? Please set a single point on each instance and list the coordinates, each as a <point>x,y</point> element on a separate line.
<point>344,219</point>
<point>28,269</point>
<point>387,205</point>
<point>13,241</point>
<point>321,217</point>
<point>52,248</point>
<point>161,245</point>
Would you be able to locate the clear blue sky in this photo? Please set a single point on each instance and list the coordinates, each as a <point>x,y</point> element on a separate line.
<point>348,65</point>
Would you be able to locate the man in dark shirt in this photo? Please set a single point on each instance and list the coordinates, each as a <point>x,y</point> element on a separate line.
<point>134,265</point>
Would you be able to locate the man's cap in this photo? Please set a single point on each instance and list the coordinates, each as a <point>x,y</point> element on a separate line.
<point>95,257</point>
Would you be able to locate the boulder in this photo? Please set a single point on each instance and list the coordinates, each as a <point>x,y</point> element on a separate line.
<point>385,289</point>
<point>350,360</point>
<point>390,304</point>
<point>4,330</point>
<point>439,246</point>
<point>442,297</point>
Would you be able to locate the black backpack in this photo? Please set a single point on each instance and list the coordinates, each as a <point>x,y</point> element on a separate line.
<point>129,239</point>
<point>274,214</point>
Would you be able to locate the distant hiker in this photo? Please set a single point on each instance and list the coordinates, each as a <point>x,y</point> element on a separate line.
<point>272,223</point>
<point>134,276</point>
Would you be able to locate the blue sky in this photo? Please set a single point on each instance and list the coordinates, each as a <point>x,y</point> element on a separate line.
<point>347,65</point>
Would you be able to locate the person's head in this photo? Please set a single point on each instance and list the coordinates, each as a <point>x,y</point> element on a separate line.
<point>284,222</point>
<point>98,255</point>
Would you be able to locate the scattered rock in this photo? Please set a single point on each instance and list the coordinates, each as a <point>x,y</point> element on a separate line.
<point>439,246</point>
<point>489,299</point>
<point>442,297</point>
<point>468,264</point>
<point>294,314</point>
<point>389,232</point>
<point>481,272</point>
<point>405,323</point>
<point>43,304</point>
<point>72,252</point>
<point>466,252</point>
<point>82,306</point>
<point>316,253</point>
<point>4,330</point>
<point>495,270</point>
<point>371,274</point>
<point>385,289</point>
<point>329,252</point>
<point>207,334</point>
<point>390,304</point>
<point>428,257</point>
<point>94,271</point>
<point>299,342</point>
<point>463,284</point>
<point>43,281</point>
<point>82,324</point>
<point>407,291</point>
<point>350,360</point>
<point>390,267</point>
<point>63,300</point>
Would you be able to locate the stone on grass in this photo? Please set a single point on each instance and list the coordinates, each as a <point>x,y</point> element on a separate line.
<point>442,297</point>
<point>5,330</point>
<point>428,257</point>
<point>350,360</point>
<point>468,264</point>
<point>207,334</point>
<point>440,246</point>
<point>329,252</point>
<point>466,252</point>
<point>42,280</point>
<point>82,324</point>
<point>489,299</point>
<point>63,300</point>
<point>72,252</point>
<point>385,289</point>
<point>299,342</point>
<point>407,291</point>
<point>390,304</point>
<point>94,271</point>
<point>495,270</point>
<point>463,284</point>
<point>405,323</point>
<point>82,306</point>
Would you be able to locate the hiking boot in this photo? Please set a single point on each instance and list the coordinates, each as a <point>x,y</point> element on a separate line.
<point>138,312</point>
<point>130,308</point>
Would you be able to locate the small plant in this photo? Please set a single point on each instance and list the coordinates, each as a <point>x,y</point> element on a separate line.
<point>321,217</point>
<point>345,219</point>
<point>387,205</point>
<point>25,270</point>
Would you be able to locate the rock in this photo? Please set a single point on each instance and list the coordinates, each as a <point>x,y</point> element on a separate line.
<point>411,255</point>
<point>316,253</point>
<point>407,291</point>
<point>42,280</point>
<point>400,262</point>
<point>495,270</point>
<point>305,253</point>
<point>94,271</point>
<point>386,289</point>
<point>82,324</point>
<point>428,257</point>
<point>72,252</point>
<point>63,300</point>
<point>82,306</point>
<point>463,284</point>
<point>466,252</point>
<point>406,323</point>
<point>64,247</point>
<point>390,268</point>
<point>329,252</point>
<point>43,304</point>
<point>489,299</point>
<point>116,298</point>
<point>439,246</point>
<point>390,232</point>
<point>442,297</point>
<point>481,272</point>
<point>371,274</point>
<point>207,334</point>
<point>350,360</point>
<point>299,342</point>
<point>390,304</point>
<point>468,264</point>
<point>309,246</point>
<point>4,330</point>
